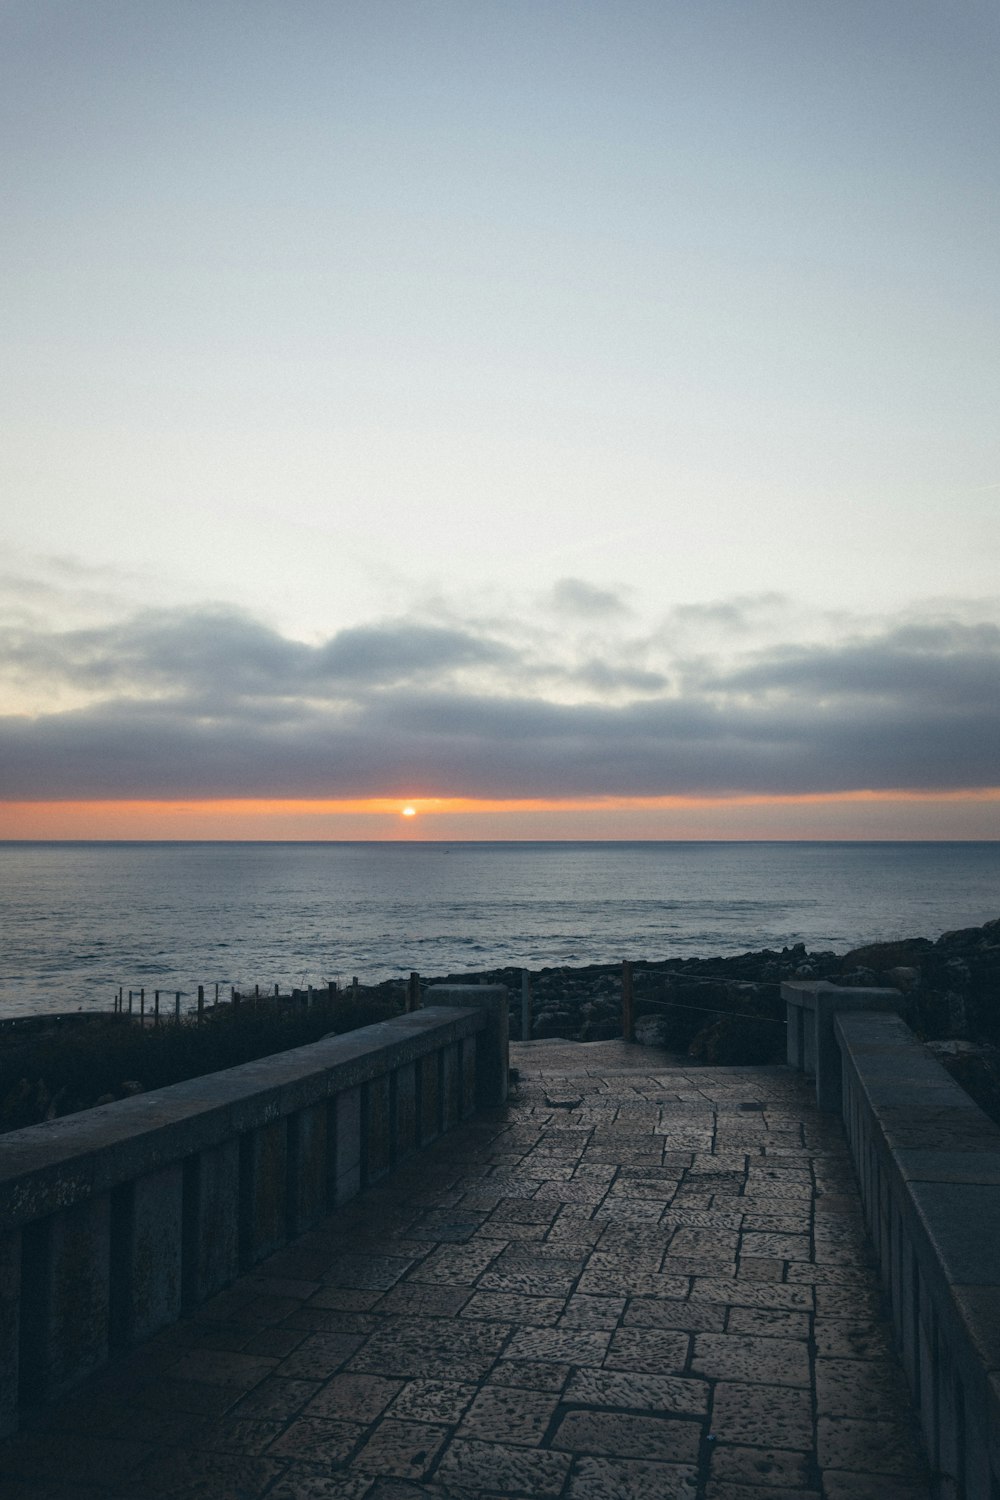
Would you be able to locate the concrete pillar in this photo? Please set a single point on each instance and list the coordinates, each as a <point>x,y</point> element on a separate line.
<point>429,1094</point>
<point>65,1307</point>
<point>147,1240</point>
<point>493,1045</point>
<point>308,1166</point>
<point>376,1129</point>
<point>404,1085</point>
<point>468,1078</point>
<point>211,1221</point>
<point>263,1191</point>
<point>451,1086</point>
<point>347,1149</point>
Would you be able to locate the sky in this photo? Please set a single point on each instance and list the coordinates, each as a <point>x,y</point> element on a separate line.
<point>559,419</point>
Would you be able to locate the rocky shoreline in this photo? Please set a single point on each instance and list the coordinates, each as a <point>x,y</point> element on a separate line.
<point>729,1010</point>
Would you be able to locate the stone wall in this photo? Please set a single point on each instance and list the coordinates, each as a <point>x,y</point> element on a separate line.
<point>928,1165</point>
<point>115,1221</point>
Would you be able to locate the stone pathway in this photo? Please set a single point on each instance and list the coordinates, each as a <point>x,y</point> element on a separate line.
<point>635,1282</point>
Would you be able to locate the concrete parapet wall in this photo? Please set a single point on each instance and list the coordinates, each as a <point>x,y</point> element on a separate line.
<point>928,1162</point>
<point>810,1006</point>
<point>115,1220</point>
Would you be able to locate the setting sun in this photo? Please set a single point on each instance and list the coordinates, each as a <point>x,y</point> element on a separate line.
<point>409,812</point>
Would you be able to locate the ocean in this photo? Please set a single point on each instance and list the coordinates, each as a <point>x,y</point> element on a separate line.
<point>79,919</point>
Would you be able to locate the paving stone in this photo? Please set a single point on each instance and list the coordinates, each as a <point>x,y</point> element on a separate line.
<point>319,1355</point>
<point>575,1346</point>
<point>456,1266</point>
<point>860,1388</point>
<point>771,1416</point>
<point>841,1302</point>
<point>647,1349</point>
<point>276,1399</point>
<point>708,1243</point>
<point>432,1400</point>
<point>499,1469</point>
<point>406,1449</point>
<point>773,1467</point>
<point>318,1440</point>
<point>375,1272</point>
<point>510,1307</point>
<point>699,1265</point>
<point>838,1485</point>
<point>301,1483</point>
<point>608,1283</point>
<point>509,1414</point>
<point>346,1299</point>
<point>753,1294</point>
<point>216,1367</point>
<point>768,1361</point>
<point>584,1311</point>
<point>233,1435</point>
<point>838,1338</point>
<point>725,1490</point>
<point>534,1375</point>
<point>689,1317</point>
<point>867,1447</point>
<point>354,1398</point>
<point>630,1479</point>
<point>626,1435</point>
<point>416,1299</point>
<point>767,1322</point>
<point>547,1283</point>
<point>324,1320</point>
<point>632,1390</point>
<point>539,1275</point>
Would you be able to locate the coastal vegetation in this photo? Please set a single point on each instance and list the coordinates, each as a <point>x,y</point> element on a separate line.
<point>73,1063</point>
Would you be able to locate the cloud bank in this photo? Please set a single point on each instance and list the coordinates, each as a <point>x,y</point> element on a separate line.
<point>215,703</point>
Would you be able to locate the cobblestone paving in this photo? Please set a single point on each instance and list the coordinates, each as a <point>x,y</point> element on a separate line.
<point>635,1282</point>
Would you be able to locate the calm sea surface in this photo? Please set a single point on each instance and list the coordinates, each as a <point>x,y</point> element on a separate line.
<point>77,920</point>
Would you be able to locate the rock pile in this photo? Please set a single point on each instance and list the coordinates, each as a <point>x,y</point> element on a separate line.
<point>729,1009</point>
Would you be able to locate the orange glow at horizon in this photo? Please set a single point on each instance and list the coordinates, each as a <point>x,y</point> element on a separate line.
<point>798,815</point>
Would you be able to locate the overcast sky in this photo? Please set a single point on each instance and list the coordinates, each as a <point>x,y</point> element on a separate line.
<point>583,415</point>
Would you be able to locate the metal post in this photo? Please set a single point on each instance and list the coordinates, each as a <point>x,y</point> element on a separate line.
<point>216,994</point>
<point>142,1003</point>
<point>201,1001</point>
<point>525,1006</point>
<point>177,1005</point>
<point>628,1011</point>
<point>156,1007</point>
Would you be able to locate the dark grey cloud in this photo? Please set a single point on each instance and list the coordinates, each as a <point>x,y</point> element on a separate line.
<point>229,653</point>
<point>930,665</point>
<point>214,704</point>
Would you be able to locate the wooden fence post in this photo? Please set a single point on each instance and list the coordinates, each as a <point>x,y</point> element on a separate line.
<point>628,1010</point>
<point>413,991</point>
<point>525,1006</point>
<point>201,1001</point>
